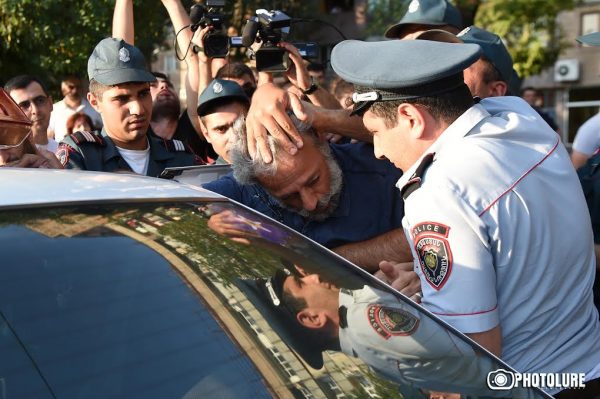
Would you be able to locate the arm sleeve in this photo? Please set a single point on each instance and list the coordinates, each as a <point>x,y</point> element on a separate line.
<point>226,186</point>
<point>587,140</point>
<point>453,259</point>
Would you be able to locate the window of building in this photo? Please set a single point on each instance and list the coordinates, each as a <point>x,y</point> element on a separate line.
<point>590,23</point>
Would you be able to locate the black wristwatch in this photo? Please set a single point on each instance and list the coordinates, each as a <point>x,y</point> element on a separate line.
<point>313,87</point>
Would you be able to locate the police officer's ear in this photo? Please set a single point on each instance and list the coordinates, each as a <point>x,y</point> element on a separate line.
<point>204,130</point>
<point>93,100</point>
<point>498,88</point>
<point>312,319</point>
<point>414,119</point>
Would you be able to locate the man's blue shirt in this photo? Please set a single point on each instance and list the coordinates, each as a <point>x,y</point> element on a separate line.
<point>370,204</point>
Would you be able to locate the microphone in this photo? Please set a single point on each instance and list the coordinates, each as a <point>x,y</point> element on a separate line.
<point>249,32</point>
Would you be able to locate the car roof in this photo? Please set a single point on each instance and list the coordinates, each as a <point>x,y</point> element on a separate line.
<point>21,187</point>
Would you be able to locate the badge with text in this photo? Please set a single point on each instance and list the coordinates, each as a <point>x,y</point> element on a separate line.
<point>389,322</point>
<point>433,252</point>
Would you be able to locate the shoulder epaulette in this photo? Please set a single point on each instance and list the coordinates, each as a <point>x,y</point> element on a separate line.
<point>175,146</point>
<point>87,137</point>
<point>415,180</point>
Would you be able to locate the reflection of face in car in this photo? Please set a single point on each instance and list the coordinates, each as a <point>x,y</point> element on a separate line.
<point>316,301</point>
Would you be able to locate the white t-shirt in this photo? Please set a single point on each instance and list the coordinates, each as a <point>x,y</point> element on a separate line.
<point>136,159</point>
<point>587,139</point>
<point>52,146</point>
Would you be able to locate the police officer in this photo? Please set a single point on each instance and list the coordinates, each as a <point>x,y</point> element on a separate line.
<point>494,213</point>
<point>312,315</point>
<point>120,92</point>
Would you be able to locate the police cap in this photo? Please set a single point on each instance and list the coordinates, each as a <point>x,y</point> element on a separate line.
<point>114,62</point>
<point>427,12</point>
<point>401,69</point>
<point>218,91</point>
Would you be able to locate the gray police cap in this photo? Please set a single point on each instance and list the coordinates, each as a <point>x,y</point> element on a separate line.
<point>402,69</point>
<point>492,46</point>
<point>114,61</point>
<point>493,49</point>
<point>592,39</point>
<point>218,91</point>
<point>427,12</point>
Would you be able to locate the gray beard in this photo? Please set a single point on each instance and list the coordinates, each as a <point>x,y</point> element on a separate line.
<point>331,199</point>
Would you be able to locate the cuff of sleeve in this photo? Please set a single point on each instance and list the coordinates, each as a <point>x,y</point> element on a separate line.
<point>473,322</point>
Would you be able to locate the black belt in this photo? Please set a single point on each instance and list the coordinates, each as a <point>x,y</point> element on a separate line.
<point>591,391</point>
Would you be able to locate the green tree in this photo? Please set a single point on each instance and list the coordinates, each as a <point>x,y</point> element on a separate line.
<point>529,28</point>
<point>53,38</point>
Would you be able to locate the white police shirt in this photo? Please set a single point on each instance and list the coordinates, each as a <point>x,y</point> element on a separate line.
<point>501,235</point>
<point>392,338</point>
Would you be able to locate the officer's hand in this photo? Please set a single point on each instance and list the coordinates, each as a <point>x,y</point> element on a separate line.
<point>268,115</point>
<point>297,74</point>
<point>402,277</point>
<point>226,223</point>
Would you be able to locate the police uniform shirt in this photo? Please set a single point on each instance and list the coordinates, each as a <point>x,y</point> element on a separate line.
<point>369,205</point>
<point>392,338</point>
<point>97,152</point>
<point>501,236</point>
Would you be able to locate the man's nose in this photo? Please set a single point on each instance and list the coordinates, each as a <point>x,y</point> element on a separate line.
<point>309,199</point>
<point>162,85</point>
<point>378,148</point>
<point>136,108</point>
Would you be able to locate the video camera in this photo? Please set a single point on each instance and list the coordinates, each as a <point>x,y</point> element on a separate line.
<point>216,41</point>
<point>269,27</point>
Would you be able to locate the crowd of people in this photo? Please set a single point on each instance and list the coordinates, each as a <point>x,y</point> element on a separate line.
<point>418,162</point>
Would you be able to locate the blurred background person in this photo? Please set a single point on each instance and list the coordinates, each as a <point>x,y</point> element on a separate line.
<point>73,101</point>
<point>79,122</point>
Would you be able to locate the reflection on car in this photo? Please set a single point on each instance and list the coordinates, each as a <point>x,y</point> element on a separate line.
<point>138,294</point>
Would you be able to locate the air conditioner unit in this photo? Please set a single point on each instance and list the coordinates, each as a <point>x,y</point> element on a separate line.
<point>566,70</point>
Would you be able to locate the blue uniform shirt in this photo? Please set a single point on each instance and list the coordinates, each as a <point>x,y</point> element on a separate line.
<point>369,203</point>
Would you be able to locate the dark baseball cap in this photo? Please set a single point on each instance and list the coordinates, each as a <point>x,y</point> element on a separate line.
<point>218,91</point>
<point>115,61</point>
<point>491,45</point>
<point>427,12</point>
<point>493,49</point>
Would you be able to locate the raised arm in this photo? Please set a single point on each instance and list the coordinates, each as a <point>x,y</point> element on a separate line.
<point>122,23</point>
<point>181,21</point>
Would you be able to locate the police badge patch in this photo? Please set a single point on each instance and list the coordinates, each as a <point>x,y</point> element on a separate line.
<point>62,153</point>
<point>389,322</point>
<point>435,259</point>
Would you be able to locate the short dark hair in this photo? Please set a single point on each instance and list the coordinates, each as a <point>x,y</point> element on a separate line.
<point>446,106</point>
<point>490,72</point>
<point>234,70</point>
<point>160,75</point>
<point>530,88</point>
<point>97,88</point>
<point>22,81</point>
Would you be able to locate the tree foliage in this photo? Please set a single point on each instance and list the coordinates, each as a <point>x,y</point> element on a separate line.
<point>53,38</point>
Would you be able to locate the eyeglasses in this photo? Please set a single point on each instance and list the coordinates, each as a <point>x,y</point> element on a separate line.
<point>9,146</point>
<point>39,101</point>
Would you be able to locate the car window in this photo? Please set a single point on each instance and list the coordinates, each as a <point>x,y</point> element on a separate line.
<point>200,300</point>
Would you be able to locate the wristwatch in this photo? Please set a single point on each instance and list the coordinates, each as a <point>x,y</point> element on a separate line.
<point>313,87</point>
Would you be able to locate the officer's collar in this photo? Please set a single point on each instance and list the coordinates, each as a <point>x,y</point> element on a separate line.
<point>110,151</point>
<point>457,130</point>
<point>159,152</point>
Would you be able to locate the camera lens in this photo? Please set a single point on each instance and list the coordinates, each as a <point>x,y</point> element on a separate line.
<point>500,379</point>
